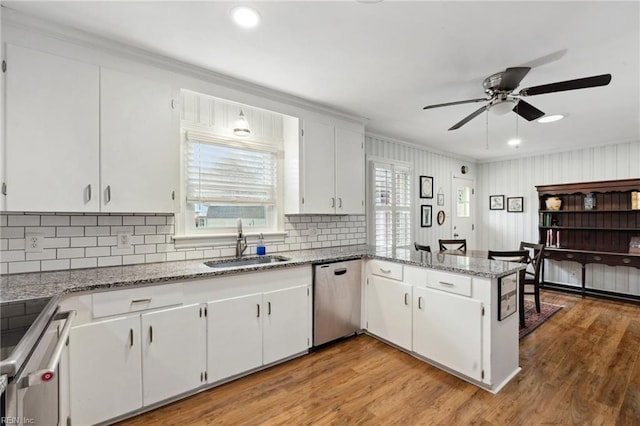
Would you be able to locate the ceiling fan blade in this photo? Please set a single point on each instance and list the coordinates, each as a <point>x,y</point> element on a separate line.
<point>468,101</point>
<point>527,111</point>
<point>561,86</point>
<point>469,117</point>
<point>512,77</point>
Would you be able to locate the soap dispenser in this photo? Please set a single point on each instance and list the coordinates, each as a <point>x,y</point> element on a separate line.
<point>261,250</point>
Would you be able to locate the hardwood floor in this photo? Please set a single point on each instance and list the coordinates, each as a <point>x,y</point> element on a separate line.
<point>580,367</point>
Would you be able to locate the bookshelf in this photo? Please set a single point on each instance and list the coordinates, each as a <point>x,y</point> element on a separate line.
<point>595,224</point>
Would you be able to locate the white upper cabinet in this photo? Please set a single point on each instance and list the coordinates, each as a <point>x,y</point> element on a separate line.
<point>328,170</point>
<point>81,138</point>
<point>52,133</point>
<point>139,144</point>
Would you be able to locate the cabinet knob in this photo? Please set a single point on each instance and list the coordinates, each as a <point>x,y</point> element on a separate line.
<point>626,260</point>
<point>597,258</point>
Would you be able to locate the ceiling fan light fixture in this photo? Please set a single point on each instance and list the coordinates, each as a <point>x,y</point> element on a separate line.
<point>550,118</point>
<point>502,107</point>
<point>241,126</point>
<point>245,17</point>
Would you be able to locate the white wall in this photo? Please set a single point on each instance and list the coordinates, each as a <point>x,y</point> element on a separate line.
<point>501,230</point>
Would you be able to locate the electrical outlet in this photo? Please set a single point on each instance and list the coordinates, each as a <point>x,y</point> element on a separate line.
<point>124,240</point>
<point>33,243</point>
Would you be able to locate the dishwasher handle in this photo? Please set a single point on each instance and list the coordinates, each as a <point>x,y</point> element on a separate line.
<point>340,271</point>
<point>48,373</point>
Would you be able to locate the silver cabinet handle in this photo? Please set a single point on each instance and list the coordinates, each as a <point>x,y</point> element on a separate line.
<point>88,192</point>
<point>333,202</point>
<point>108,194</point>
<point>48,373</point>
<point>150,334</point>
<point>385,271</point>
<point>141,300</point>
<point>420,302</point>
<point>340,202</point>
<point>446,283</point>
<point>258,306</point>
<point>406,298</point>
<point>201,376</point>
<point>131,337</point>
<point>173,195</point>
<point>268,308</point>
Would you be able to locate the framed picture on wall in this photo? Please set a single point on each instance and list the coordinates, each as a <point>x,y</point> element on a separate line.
<point>426,187</point>
<point>496,202</point>
<point>515,204</point>
<point>425,216</point>
<point>440,199</point>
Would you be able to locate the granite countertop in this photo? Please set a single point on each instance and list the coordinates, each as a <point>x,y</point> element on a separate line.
<point>47,284</point>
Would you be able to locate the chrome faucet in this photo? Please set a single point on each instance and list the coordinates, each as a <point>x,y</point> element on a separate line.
<point>241,242</point>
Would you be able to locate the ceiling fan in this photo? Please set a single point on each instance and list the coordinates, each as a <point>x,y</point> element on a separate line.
<point>499,88</point>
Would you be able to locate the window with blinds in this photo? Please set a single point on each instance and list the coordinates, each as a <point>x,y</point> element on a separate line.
<point>391,185</point>
<point>227,181</point>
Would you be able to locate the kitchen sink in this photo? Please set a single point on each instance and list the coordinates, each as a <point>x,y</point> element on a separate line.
<point>246,261</point>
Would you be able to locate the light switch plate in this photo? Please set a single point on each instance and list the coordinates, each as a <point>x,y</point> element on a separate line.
<point>33,243</point>
<point>124,240</point>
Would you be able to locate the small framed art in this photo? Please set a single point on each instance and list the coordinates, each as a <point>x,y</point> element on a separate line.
<point>426,187</point>
<point>440,199</point>
<point>440,217</point>
<point>496,202</point>
<point>515,204</point>
<point>425,216</point>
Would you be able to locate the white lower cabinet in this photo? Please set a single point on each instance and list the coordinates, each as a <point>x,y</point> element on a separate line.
<point>174,348</point>
<point>105,378</point>
<point>447,329</point>
<point>247,332</point>
<point>388,307</point>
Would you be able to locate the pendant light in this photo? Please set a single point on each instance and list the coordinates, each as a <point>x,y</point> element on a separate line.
<point>241,126</point>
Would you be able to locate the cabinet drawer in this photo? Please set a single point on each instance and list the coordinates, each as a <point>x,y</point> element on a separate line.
<point>452,283</point>
<point>389,270</point>
<point>135,299</point>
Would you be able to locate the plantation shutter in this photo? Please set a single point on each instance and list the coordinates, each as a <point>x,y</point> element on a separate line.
<point>392,205</point>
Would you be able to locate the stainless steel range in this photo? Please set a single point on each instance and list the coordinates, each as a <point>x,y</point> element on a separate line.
<point>32,339</point>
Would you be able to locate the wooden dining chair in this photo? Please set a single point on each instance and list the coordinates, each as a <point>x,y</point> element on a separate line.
<point>460,245</point>
<point>519,256</point>
<point>420,247</point>
<point>532,273</point>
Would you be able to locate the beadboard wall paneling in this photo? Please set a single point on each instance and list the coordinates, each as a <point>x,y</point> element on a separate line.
<point>423,163</point>
<point>500,230</point>
<point>75,241</point>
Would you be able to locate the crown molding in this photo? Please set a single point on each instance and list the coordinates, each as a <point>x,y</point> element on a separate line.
<point>89,40</point>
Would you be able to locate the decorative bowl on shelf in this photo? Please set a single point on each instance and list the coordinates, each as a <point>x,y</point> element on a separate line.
<point>553,203</point>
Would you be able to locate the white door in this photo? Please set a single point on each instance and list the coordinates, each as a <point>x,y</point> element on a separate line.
<point>285,323</point>
<point>105,378</point>
<point>389,310</point>
<point>318,168</point>
<point>463,210</point>
<point>140,145</point>
<point>349,171</point>
<point>447,329</point>
<point>174,351</point>
<point>234,336</point>
<point>52,133</point>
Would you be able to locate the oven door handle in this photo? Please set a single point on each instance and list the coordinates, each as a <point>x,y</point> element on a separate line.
<point>47,374</point>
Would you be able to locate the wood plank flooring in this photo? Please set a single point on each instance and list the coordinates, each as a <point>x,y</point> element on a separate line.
<point>581,367</point>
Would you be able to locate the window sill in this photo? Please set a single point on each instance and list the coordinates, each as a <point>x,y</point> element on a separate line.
<point>220,240</point>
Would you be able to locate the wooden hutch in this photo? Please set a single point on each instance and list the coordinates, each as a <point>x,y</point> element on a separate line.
<point>595,224</point>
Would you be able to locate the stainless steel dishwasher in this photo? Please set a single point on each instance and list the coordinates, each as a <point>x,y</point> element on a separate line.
<point>336,295</point>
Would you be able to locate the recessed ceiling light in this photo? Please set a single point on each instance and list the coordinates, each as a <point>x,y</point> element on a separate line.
<point>245,17</point>
<point>550,118</point>
<point>514,142</point>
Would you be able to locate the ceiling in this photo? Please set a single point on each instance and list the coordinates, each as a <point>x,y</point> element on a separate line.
<point>384,61</point>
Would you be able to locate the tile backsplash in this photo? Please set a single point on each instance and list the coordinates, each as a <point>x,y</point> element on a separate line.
<point>74,241</point>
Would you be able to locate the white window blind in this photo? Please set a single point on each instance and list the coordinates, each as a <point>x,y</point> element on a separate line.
<point>223,173</point>
<point>391,184</point>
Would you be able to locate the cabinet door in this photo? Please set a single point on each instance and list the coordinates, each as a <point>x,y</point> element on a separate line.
<point>139,148</point>
<point>174,351</point>
<point>349,171</point>
<point>389,310</point>
<point>51,133</point>
<point>105,374</point>
<point>285,327</point>
<point>318,168</point>
<point>234,336</point>
<point>447,329</point>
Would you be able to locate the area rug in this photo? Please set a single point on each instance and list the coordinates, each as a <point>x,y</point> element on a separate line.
<point>533,319</point>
